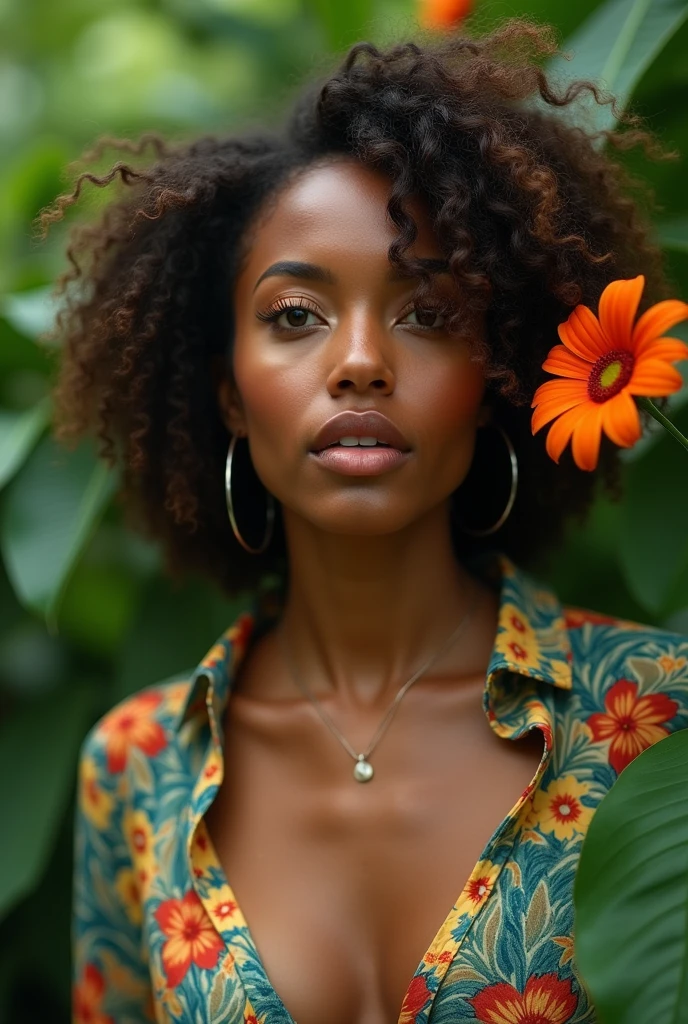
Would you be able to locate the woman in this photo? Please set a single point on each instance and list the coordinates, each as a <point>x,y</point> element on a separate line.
<point>313,355</point>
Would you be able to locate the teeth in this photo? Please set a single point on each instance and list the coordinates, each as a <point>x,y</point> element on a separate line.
<point>351,442</point>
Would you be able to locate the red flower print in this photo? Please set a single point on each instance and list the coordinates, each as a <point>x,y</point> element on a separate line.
<point>414,1000</point>
<point>224,909</point>
<point>87,998</point>
<point>131,725</point>
<point>632,723</point>
<point>477,889</point>
<point>575,617</point>
<point>545,1000</point>
<point>518,652</point>
<point>517,623</point>
<point>191,937</point>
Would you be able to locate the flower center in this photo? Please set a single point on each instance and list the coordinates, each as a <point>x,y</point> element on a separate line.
<point>610,374</point>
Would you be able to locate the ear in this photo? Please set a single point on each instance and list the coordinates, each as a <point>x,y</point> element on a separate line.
<point>229,401</point>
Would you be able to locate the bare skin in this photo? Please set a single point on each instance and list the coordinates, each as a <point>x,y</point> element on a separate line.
<point>344,885</point>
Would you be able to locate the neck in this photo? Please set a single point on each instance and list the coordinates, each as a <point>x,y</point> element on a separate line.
<point>363,613</point>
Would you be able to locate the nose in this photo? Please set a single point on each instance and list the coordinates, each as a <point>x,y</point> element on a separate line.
<point>361,357</point>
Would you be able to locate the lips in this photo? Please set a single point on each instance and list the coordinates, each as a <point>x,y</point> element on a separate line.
<point>360,424</point>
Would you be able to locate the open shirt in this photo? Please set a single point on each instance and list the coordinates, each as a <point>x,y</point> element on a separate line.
<point>158,932</point>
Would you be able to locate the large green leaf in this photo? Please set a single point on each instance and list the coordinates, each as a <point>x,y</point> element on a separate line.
<point>19,432</point>
<point>631,892</point>
<point>49,513</point>
<point>615,46</point>
<point>653,540</point>
<point>38,753</point>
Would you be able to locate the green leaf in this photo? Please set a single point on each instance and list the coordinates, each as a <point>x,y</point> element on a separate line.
<point>32,312</point>
<point>673,234</point>
<point>19,433</point>
<point>653,541</point>
<point>615,46</point>
<point>631,892</point>
<point>49,513</point>
<point>38,752</point>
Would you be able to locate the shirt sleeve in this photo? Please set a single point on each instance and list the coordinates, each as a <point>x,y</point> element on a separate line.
<point>111,979</point>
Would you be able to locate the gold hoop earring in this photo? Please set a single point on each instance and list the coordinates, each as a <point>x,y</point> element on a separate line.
<point>513,461</point>
<point>270,514</point>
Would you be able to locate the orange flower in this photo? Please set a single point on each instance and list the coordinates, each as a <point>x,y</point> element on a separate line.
<point>632,723</point>
<point>191,937</point>
<point>545,1000</point>
<point>443,13</point>
<point>87,998</point>
<point>132,725</point>
<point>603,363</point>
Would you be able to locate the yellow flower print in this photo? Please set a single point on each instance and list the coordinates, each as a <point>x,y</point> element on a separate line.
<point>559,809</point>
<point>94,801</point>
<point>175,695</point>
<point>127,887</point>
<point>566,942</point>
<point>478,887</point>
<point>224,910</point>
<point>138,833</point>
<point>516,639</point>
<point>670,664</point>
<point>202,852</point>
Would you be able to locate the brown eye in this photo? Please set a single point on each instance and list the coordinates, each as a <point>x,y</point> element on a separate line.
<point>296,317</point>
<point>427,318</point>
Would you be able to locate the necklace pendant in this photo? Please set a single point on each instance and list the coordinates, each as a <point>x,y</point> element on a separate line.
<point>363,770</point>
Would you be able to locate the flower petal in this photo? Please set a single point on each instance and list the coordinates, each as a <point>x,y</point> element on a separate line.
<point>559,388</point>
<point>547,411</point>
<point>563,362</point>
<point>658,319</point>
<point>617,308</point>
<point>620,420</point>
<point>654,378</point>
<point>560,431</point>
<point>587,435</point>
<point>583,335</point>
<point>664,348</point>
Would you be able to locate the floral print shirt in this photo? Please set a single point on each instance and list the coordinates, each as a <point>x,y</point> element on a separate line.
<point>158,932</point>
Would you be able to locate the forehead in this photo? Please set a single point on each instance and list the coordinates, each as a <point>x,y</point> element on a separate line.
<point>338,206</point>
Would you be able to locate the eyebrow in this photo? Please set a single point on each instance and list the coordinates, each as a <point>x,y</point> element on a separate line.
<point>312,272</point>
<point>295,268</point>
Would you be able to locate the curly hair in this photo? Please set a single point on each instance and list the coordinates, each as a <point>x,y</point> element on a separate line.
<point>532,213</point>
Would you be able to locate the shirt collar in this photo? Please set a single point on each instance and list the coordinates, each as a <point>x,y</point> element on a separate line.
<point>531,640</point>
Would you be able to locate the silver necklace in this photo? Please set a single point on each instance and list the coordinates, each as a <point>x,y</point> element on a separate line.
<point>363,769</point>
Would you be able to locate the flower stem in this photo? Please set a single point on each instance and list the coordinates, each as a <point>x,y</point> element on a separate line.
<point>649,406</point>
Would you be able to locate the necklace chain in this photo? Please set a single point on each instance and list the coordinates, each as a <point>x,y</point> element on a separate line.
<point>363,770</point>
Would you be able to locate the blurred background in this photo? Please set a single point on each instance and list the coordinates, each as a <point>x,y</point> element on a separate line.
<point>86,614</point>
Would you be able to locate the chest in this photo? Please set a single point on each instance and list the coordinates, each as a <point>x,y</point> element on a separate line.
<point>344,885</point>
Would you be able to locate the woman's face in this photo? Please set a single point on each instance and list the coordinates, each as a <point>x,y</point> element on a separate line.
<point>323,326</point>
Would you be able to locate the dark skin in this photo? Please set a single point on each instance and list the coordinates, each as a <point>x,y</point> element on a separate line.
<point>354,880</point>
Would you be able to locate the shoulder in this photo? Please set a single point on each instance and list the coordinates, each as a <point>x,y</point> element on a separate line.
<point>602,637</point>
<point>143,721</point>
<point>630,682</point>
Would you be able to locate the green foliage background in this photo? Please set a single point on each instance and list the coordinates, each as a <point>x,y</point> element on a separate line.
<point>86,614</point>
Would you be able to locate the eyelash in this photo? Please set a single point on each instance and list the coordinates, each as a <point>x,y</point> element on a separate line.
<point>282,305</point>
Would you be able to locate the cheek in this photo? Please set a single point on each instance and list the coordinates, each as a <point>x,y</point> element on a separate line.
<point>274,396</point>
<point>451,399</point>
